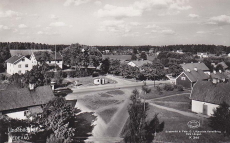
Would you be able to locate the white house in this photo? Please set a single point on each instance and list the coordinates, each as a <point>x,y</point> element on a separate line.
<point>202,55</point>
<point>18,64</point>
<point>36,58</point>
<point>207,96</point>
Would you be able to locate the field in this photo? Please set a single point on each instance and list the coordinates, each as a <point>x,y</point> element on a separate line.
<point>104,104</point>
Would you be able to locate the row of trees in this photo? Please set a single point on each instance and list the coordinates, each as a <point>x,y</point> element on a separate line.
<point>30,45</point>
<point>213,49</point>
<point>154,70</point>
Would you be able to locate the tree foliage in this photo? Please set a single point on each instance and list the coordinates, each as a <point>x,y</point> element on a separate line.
<point>220,120</point>
<point>139,130</point>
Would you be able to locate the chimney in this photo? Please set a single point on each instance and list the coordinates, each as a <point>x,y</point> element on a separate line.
<point>195,69</point>
<point>220,71</point>
<point>188,70</point>
<point>214,72</point>
<point>199,62</point>
<point>31,86</point>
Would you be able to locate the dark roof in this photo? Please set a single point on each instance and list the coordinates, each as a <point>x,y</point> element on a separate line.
<point>191,66</point>
<point>13,59</point>
<point>196,75</point>
<point>51,54</point>
<point>14,97</point>
<point>206,91</point>
<point>223,65</point>
<point>218,75</point>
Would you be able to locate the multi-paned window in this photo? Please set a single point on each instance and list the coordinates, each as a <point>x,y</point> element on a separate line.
<point>19,66</point>
<point>26,65</point>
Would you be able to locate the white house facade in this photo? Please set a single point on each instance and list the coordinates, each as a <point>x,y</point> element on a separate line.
<point>18,64</point>
<point>58,60</point>
<point>203,107</point>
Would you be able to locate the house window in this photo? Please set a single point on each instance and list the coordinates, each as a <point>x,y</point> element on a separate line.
<point>183,78</point>
<point>26,65</point>
<point>57,61</point>
<point>23,59</point>
<point>19,66</point>
<point>19,71</point>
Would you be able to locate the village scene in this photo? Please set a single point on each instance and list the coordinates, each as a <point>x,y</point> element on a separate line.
<point>110,90</point>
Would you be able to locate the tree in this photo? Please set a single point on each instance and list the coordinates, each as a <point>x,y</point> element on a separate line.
<point>114,67</point>
<point>220,120</point>
<point>146,90</point>
<point>175,69</point>
<point>139,130</point>
<point>59,122</point>
<point>143,56</point>
<point>105,65</point>
<point>134,57</point>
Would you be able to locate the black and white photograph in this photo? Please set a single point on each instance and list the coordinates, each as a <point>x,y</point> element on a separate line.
<point>114,71</point>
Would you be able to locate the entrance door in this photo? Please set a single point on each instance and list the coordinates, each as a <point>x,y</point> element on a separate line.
<point>205,109</point>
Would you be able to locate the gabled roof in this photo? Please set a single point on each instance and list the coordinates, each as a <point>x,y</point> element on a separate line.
<point>15,97</point>
<point>218,75</point>
<point>191,66</point>
<point>141,62</point>
<point>14,59</point>
<point>52,55</point>
<point>196,75</point>
<point>206,91</point>
<point>223,65</point>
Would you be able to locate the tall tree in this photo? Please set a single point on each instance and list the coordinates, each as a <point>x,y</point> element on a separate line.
<point>105,65</point>
<point>139,130</point>
<point>220,120</point>
<point>143,56</point>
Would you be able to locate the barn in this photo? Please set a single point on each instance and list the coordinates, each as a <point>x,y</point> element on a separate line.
<point>206,96</point>
<point>188,78</point>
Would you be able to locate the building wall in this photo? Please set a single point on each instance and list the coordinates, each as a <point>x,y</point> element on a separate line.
<point>183,80</point>
<point>19,67</point>
<point>35,62</point>
<point>197,106</point>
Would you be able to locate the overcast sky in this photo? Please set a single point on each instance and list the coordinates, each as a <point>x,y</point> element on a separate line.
<point>116,22</point>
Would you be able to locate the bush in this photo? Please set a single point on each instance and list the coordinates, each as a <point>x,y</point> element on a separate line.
<point>95,74</point>
<point>180,88</point>
<point>64,75</point>
<point>168,87</point>
<point>159,90</point>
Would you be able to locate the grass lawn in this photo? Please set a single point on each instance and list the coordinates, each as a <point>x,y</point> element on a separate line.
<point>94,104</point>
<point>178,98</point>
<point>175,105</point>
<point>177,122</point>
<point>115,92</point>
<point>155,94</point>
<point>180,102</point>
<point>107,114</point>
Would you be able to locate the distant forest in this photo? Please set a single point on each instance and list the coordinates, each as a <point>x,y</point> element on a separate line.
<point>212,49</point>
<point>30,45</point>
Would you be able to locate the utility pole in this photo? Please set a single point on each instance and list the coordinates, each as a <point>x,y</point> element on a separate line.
<point>55,59</point>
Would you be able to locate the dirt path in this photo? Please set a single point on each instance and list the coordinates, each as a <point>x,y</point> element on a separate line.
<point>177,111</point>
